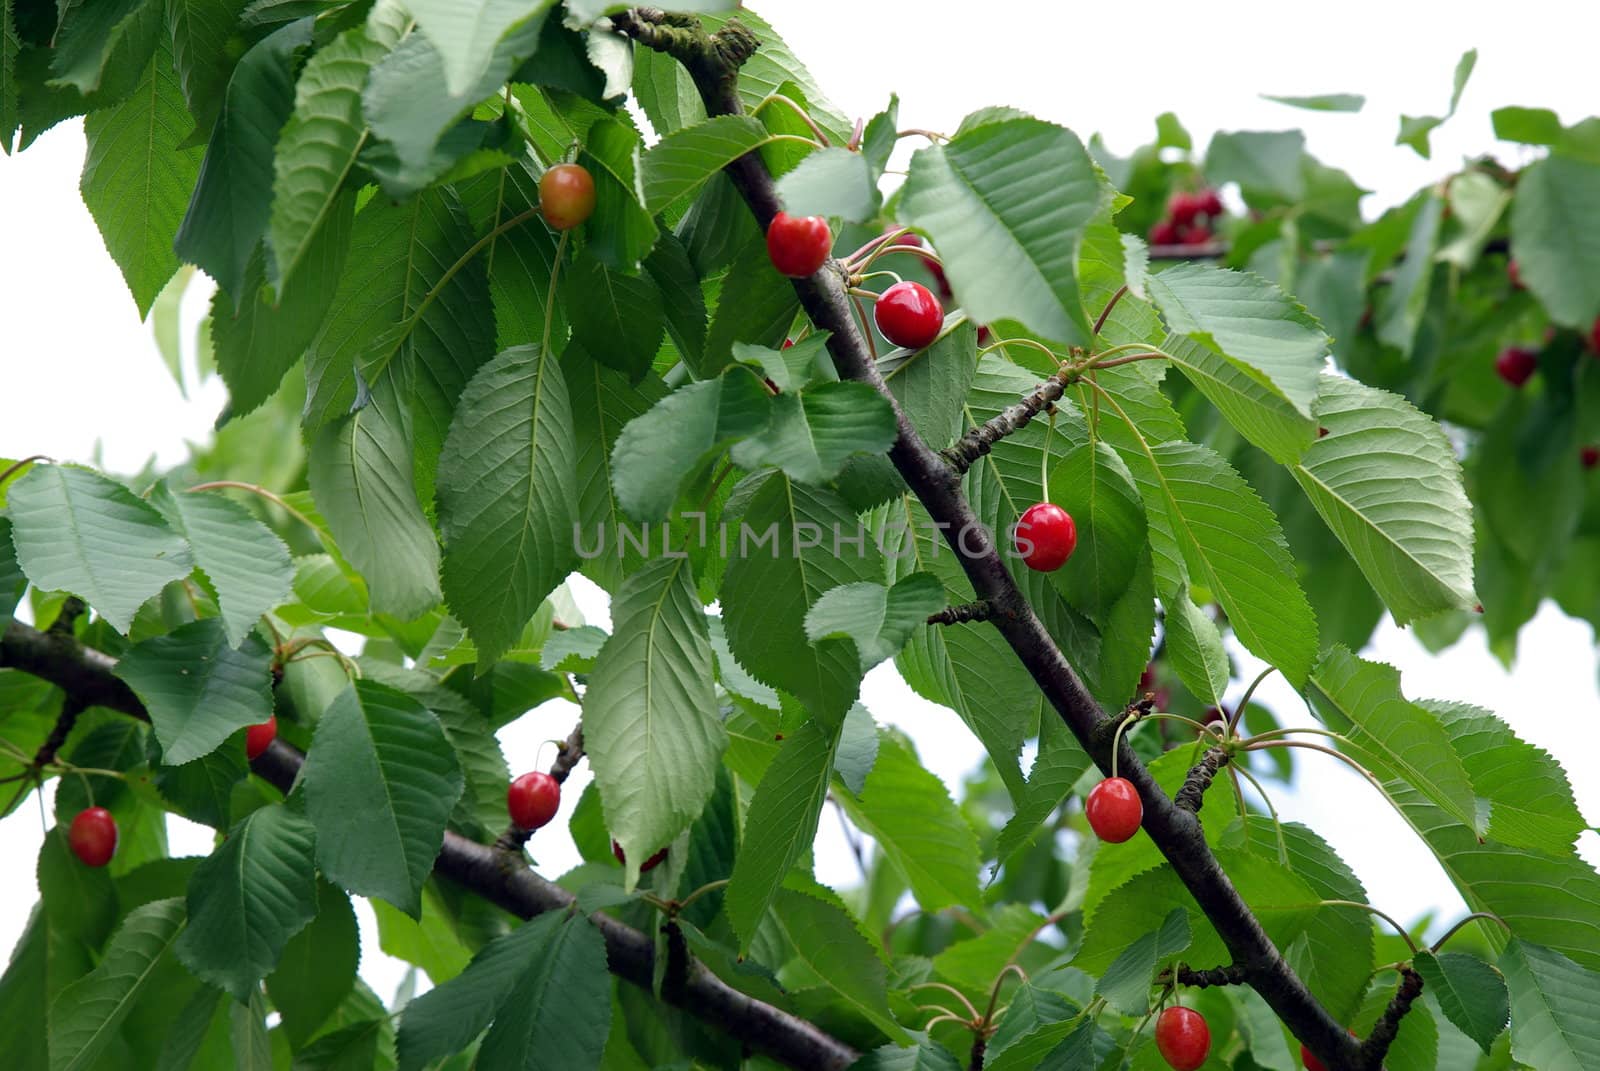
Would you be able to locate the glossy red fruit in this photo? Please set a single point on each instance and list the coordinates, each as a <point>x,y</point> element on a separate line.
<point>1516,365</point>
<point>93,836</point>
<point>1046,536</point>
<point>909,315</point>
<point>1164,233</point>
<point>1589,456</point>
<point>257,738</point>
<point>1183,1038</point>
<point>1210,203</point>
<point>566,196</point>
<point>1194,234</point>
<point>1311,1062</point>
<point>533,799</point>
<point>798,245</point>
<point>644,867</point>
<point>1182,208</point>
<point>1114,810</point>
<point>1594,337</point>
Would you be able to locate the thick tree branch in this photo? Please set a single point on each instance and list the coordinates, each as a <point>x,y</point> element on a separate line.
<point>966,451</point>
<point>1175,831</point>
<point>499,877</point>
<point>960,615</point>
<point>1206,977</point>
<point>1199,778</point>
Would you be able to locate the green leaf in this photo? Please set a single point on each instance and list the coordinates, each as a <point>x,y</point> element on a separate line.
<point>656,450</point>
<point>780,825</point>
<point>466,33</point>
<point>136,178</point>
<point>974,963</point>
<point>232,199</point>
<point>1126,984</point>
<point>559,1014</point>
<point>246,561</point>
<point>317,969</point>
<point>1415,129</point>
<point>773,65</point>
<point>247,1034</point>
<point>380,781</point>
<point>794,367</point>
<point>202,790</point>
<point>520,262</point>
<point>1555,237</point>
<point>756,305</point>
<point>446,1019</point>
<point>931,383</point>
<point>1531,126</point>
<point>360,472</point>
<point>1470,992</point>
<point>77,531</point>
<point>1056,768</point>
<point>1323,102</point>
<point>318,144</point>
<point>201,53</point>
<point>246,899</point>
<point>1255,408</point>
<point>97,46</point>
<point>1530,799</point>
<point>87,1015</point>
<point>649,715</point>
<point>617,317</point>
<point>507,485</point>
<point>350,1048</point>
<point>813,433</point>
<point>1367,477</point>
<point>828,940</point>
<point>1231,542</point>
<point>1093,483</point>
<point>80,901</point>
<point>1390,736</point>
<point>683,160</point>
<point>790,550</point>
<point>685,303</point>
<point>198,689</point>
<point>908,811</point>
<point>923,1056</point>
<point>1402,305</point>
<point>1248,322</point>
<point>830,182</point>
<point>1263,163</point>
<point>878,620</point>
<point>1194,647</point>
<point>1553,1026</point>
<point>620,232</point>
<point>1008,203</point>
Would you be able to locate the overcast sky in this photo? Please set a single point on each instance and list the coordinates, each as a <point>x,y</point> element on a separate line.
<point>78,372</point>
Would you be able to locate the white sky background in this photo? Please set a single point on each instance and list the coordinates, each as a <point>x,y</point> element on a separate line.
<point>77,369</point>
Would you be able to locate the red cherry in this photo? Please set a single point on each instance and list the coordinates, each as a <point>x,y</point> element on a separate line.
<point>644,867</point>
<point>1514,274</point>
<point>1516,365</point>
<point>1183,207</point>
<point>1594,337</point>
<point>93,836</point>
<point>1114,810</point>
<point>1589,456</point>
<point>533,799</point>
<point>1164,233</point>
<point>798,245</point>
<point>1311,1062</point>
<point>909,315</point>
<point>1183,1038</point>
<point>1194,234</point>
<point>1045,536</point>
<point>1210,203</point>
<point>257,738</point>
<point>788,342</point>
<point>566,196</point>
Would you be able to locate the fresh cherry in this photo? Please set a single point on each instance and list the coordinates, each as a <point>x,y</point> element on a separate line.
<point>93,836</point>
<point>1589,456</point>
<point>1114,810</point>
<point>644,867</point>
<point>1516,365</point>
<point>1210,203</point>
<point>257,738</point>
<point>1311,1062</point>
<point>798,245</point>
<point>1594,337</point>
<point>566,196</point>
<point>1164,233</point>
<point>1183,1038</point>
<point>1182,208</point>
<point>1045,537</point>
<point>1514,274</point>
<point>533,799</point>
<point>909,315</point>
<point>1194,234</point>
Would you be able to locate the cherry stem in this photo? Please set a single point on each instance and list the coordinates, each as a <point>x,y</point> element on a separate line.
<point>882,239</point>
<point>779,98</point>
<point>1385,916</point>
<point>994,990</point>
<point>1130,359</point>
<point>1116,740</point>
<point>1105,313</point>
<point>262,492</point>
<point>866,328</point>
<point>20,465</point>
<point>952,990</point>
<point>918,132</point>
<point>889,248</point>
<point>708,887</point>
<point>1346,759</point>
<point>1004,342</point>
<point>1451,932</point>
<point>1044,458</point>
<point>1239,769</point>
<point>874,275</point>
<point>1238,710</point>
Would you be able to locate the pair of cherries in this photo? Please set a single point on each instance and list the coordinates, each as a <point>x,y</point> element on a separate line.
<point>533,800</point>
<point>907,313</point>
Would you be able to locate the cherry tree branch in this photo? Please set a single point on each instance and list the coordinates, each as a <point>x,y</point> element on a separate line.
<point>712,61</point>
<point>966,451</point>
<point>499,877</point>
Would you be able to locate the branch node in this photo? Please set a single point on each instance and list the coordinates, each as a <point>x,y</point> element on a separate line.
<point>72,609</point>
<point>1201,774</point>
<point>1233,974</point>
<point>965,451</point>
<point>1387,1027</point>
<point>982,610</point>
